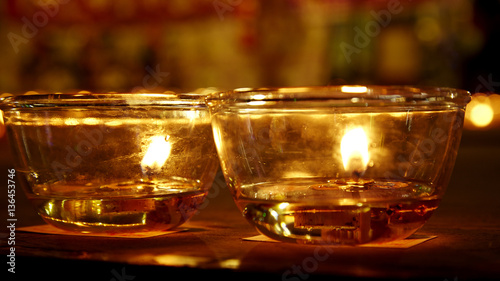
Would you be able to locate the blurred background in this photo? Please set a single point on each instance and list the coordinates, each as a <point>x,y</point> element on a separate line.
<point>119,45</point>
<point>132,45</point>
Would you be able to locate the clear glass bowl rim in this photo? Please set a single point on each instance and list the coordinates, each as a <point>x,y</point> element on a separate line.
<point>82,100</point>
<point>345,95</point>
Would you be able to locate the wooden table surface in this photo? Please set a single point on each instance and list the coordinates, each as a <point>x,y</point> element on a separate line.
<point>467,226</point>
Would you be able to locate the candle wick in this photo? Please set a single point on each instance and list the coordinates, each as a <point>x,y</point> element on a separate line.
<point>355,188</point>
<point>356,175</point>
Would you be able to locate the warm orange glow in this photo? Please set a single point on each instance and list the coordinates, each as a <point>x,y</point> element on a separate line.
<point>495,104</point>
<point>483,111</point>
<point>157,153</point>
<point>354,150</point>
<point>481,115</point>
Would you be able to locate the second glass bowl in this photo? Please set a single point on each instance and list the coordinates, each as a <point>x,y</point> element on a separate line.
<point>341,164</point>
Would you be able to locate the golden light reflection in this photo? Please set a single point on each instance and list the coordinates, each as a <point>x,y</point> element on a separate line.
<point>354,150</point>
<point>283,206</point>
<point>157,153</point>
<point>293,90</point>
<point>256,102</point>
<point>230,263</point>
<point>114,123</point>
<point>191,114</point>
<point>354,89</point>
<point>71,122</point>
<point>2,125</point>
<point>217,139</point>
<point>90,121</point>
<point>178,260</point>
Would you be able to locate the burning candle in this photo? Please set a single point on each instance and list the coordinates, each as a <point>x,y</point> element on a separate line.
<point>354,150</point>
<point>157,154</point>
<point>303,166</point>
<point>113,162</point>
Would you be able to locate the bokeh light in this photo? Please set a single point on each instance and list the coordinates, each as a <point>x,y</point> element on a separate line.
<point>481,115</point>
<point>483,112</point>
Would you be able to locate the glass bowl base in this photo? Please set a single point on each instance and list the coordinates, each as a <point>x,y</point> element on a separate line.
<point>349,225</point>
<point>338,212</point>
<point>119,215</point>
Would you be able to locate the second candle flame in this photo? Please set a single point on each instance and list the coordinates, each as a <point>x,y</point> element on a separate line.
<point>157,153</point>
<point>354,150</point>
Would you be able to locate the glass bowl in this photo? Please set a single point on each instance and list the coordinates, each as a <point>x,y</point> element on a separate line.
<point>113,162</point>
<point>340,164</point>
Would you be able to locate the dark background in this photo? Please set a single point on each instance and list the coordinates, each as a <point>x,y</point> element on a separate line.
<point>116,45</point>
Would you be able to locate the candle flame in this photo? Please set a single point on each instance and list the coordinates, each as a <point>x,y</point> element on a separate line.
<point>354,150</point>
<point>157,153</point>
